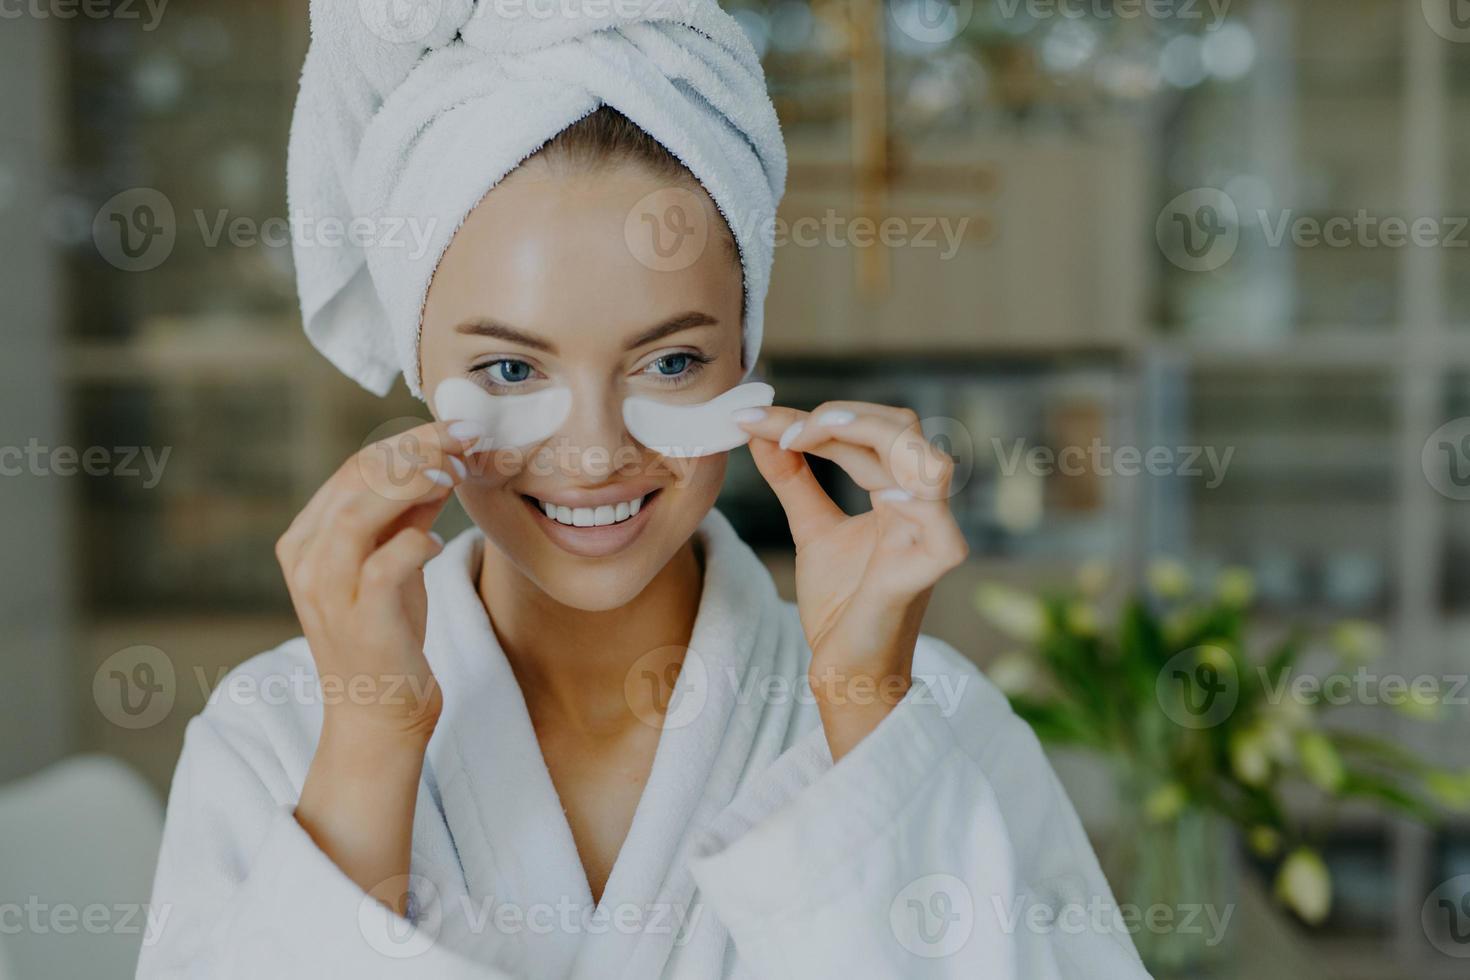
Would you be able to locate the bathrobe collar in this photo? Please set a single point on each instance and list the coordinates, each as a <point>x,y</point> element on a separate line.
<point>500,806</point>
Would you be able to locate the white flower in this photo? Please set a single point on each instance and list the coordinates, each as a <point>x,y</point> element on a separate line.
<point>1082,618</point>
<point>1168,578</point>
<point>1093,577</point>
<point>1017,614</point>
<point>1450,788</point>
<point>1320,761</point>
<point>1290,712</point>
<point>1305,885</point>
<point>1250,757</point>
<point>1264,841</point>
<point>1013,673</point>
<point>1358,641</point>
<point>1165,803</point>
<point>1235,587</point>
<point>1419,705</point>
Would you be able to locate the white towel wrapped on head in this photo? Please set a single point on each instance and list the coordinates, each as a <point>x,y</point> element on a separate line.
<point>410,111</point>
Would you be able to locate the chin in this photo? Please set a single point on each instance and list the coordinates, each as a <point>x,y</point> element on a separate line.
<point>594,549</point>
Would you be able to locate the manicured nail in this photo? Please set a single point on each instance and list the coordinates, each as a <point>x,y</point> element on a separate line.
<point>895,495</point>
<point>459,468</point>
<point>789,436</point>
<point>467,431</point>
<point>835,416</point>
<point>439,477</point>
<point>747,415</point>
<point>438,539</point>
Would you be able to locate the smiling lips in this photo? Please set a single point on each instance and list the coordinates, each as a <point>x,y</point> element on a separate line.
<point>594,524</point>
<point>599,516</point>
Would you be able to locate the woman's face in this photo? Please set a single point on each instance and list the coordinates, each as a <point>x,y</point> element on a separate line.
<point>586,282</point>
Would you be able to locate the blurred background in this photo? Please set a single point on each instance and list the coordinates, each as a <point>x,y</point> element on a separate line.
<point>1216,250</point>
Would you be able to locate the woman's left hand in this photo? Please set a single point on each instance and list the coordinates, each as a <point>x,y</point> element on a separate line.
<point>862,582</point>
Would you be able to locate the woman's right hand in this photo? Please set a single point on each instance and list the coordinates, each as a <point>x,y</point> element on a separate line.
<point>353,561</point>
<point>354,564</point>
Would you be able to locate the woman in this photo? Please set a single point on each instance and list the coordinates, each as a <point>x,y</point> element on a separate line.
<point>597,743</point>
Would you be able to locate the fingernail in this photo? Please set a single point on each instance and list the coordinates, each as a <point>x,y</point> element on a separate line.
<point>467,431</point>
<point>835,416</point>
<point>438,539</point>
<point>439,477</point>
<point>789,436</point>
<point>459,468</point>
<point>895,495</point>
<point>747,415</point>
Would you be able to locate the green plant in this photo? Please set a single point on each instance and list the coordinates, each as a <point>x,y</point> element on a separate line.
<point>1173,689</point>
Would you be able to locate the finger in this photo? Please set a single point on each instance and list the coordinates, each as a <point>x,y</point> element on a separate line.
<point>355,530</point>
<point>390,477</point>
<point>368,506</point>
<point>860,463</point>
<point>898,442</point>
<point>892,412</point>
<point>382,462</point>
<point>929,535</point>
<point>768,423</point>
<point>809,511</point>
<point>397,563</point>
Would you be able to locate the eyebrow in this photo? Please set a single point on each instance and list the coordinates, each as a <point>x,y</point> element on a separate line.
<point>481,327</point>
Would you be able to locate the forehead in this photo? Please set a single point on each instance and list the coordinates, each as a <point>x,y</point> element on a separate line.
<point>587,256</point>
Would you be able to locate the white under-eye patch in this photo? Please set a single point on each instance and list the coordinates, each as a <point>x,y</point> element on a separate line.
<point>686,431</point>
<point>509,420</point>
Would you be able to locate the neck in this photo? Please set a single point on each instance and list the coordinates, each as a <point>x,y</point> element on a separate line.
<point>574,664</point>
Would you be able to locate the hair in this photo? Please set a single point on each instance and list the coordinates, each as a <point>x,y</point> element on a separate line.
<point>605,138</point>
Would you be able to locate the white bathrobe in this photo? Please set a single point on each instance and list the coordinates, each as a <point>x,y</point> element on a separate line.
<point>942,846</point>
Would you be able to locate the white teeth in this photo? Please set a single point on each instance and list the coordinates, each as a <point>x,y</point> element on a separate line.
<point>592,516</point>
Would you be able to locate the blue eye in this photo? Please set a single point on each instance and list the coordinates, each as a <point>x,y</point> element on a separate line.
<point>676,367</point>
<point>509,371</point>
<point>672,364</point>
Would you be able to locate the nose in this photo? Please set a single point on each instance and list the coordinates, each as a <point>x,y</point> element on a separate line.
<point>593,444</point>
